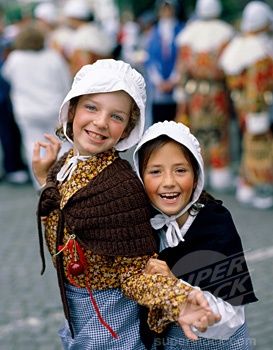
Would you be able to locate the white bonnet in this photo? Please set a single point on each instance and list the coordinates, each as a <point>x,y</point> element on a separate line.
<point>47,12</point>
<point>90,37</point>
<point>256,15</point>
<point>79,9</point>
<point>108,75</point>
<point>207,9</point>
<point>181,134</point>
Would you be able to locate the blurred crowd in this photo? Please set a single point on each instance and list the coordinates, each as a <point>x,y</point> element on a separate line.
<point>214,76</point>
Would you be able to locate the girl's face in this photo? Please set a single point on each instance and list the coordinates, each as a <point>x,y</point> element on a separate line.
<point>100,121</point>
<point>169,179</point>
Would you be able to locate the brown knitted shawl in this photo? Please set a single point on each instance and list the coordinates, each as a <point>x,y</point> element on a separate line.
<point>110,215</point>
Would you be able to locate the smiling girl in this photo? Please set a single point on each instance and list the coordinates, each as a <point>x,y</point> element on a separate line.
<point>198,239</point>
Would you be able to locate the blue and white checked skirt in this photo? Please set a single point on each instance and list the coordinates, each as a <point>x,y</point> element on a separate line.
<point>176,339</point>
<point>121,313</point>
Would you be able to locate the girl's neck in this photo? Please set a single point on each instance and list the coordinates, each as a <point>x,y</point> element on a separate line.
<point>182,219</point>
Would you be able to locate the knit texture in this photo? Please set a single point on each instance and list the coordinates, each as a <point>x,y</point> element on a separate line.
<point>110,215</point>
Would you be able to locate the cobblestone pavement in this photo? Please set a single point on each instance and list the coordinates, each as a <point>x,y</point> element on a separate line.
<point>30,308</point>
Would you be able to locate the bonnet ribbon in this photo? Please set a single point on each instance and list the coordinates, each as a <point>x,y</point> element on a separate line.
<point>68,168</point>
<point>173,235</point>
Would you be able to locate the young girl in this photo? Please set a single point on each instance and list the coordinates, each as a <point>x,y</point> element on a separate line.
<point>198,239</point>
<point>96,217</point>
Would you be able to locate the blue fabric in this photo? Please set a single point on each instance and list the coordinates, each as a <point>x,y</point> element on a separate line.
<point>121,313</point>
<point>164,64</point>
<point>176,339</point>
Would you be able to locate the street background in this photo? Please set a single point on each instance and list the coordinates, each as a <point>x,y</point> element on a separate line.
<point>30,305</point>
<point>30,308</point>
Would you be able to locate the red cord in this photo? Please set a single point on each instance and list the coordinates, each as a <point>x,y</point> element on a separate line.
<point>72,245</point>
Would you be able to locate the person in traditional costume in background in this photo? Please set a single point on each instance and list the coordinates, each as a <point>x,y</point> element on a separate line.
<point>248,64</point>
<point>202,96</point>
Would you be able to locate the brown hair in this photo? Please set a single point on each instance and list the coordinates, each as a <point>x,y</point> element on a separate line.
<point>134,116</point>
<point>30,38</point>
<point>148,148</point>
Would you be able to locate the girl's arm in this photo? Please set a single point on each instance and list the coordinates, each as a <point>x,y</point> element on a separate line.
<point>232,317</point>
<point>167,298</point>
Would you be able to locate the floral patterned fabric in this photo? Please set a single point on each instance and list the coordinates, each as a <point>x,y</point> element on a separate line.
<point>206,104</point>
<point>162,295</point>
<point>252,94</point>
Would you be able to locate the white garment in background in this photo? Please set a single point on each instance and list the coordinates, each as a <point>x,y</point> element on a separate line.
<point>39,82</point>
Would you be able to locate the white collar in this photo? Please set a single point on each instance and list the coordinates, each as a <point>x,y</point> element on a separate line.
<point>174,235</point>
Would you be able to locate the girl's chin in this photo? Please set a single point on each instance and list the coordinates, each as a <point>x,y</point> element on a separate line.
<point>168,211</point>
<point>88,151</point>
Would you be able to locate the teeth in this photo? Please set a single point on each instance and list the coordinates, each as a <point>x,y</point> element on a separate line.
<point>169,195</point>
<point>96,136</point>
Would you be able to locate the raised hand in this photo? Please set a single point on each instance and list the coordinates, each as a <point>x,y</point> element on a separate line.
<point>196,312</point>
<point>42,164</point>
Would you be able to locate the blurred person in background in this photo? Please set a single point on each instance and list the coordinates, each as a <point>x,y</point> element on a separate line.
<point>57,31</point>
<point>106,13</point>
<point>128,36</point>
<point>134,37</point>
<point>60,40</point>
<point>248,65</point>
<point>203,99</point>
<point>160,65</point>
<point>39,78</point>
<point>13,167</point>
<point>77,13</point>
<point>89,41</point>
<point>88,44</point>
<point>146,22</point>
<point>46,15</point>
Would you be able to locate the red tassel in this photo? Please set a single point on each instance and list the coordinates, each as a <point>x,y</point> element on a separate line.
<point>77,267</point>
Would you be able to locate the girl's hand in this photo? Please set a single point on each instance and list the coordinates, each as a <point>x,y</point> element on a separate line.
<point>196,313</point>
<point>41,165</point>
<point>155,266</point>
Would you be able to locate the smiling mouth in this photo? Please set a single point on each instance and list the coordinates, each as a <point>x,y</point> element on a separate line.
<point>169,196</point>
<point>95,135</point>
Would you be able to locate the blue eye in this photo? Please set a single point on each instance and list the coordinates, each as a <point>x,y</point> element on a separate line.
<point>118,117</point>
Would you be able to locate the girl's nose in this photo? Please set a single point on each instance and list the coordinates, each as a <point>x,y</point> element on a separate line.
<point>101,121</point>
<point>168,179</point>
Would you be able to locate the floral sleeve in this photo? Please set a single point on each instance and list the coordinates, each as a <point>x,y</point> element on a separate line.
<point>162,295</point>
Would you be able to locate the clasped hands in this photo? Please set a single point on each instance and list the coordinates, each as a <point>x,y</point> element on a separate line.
<point>196,312</point>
